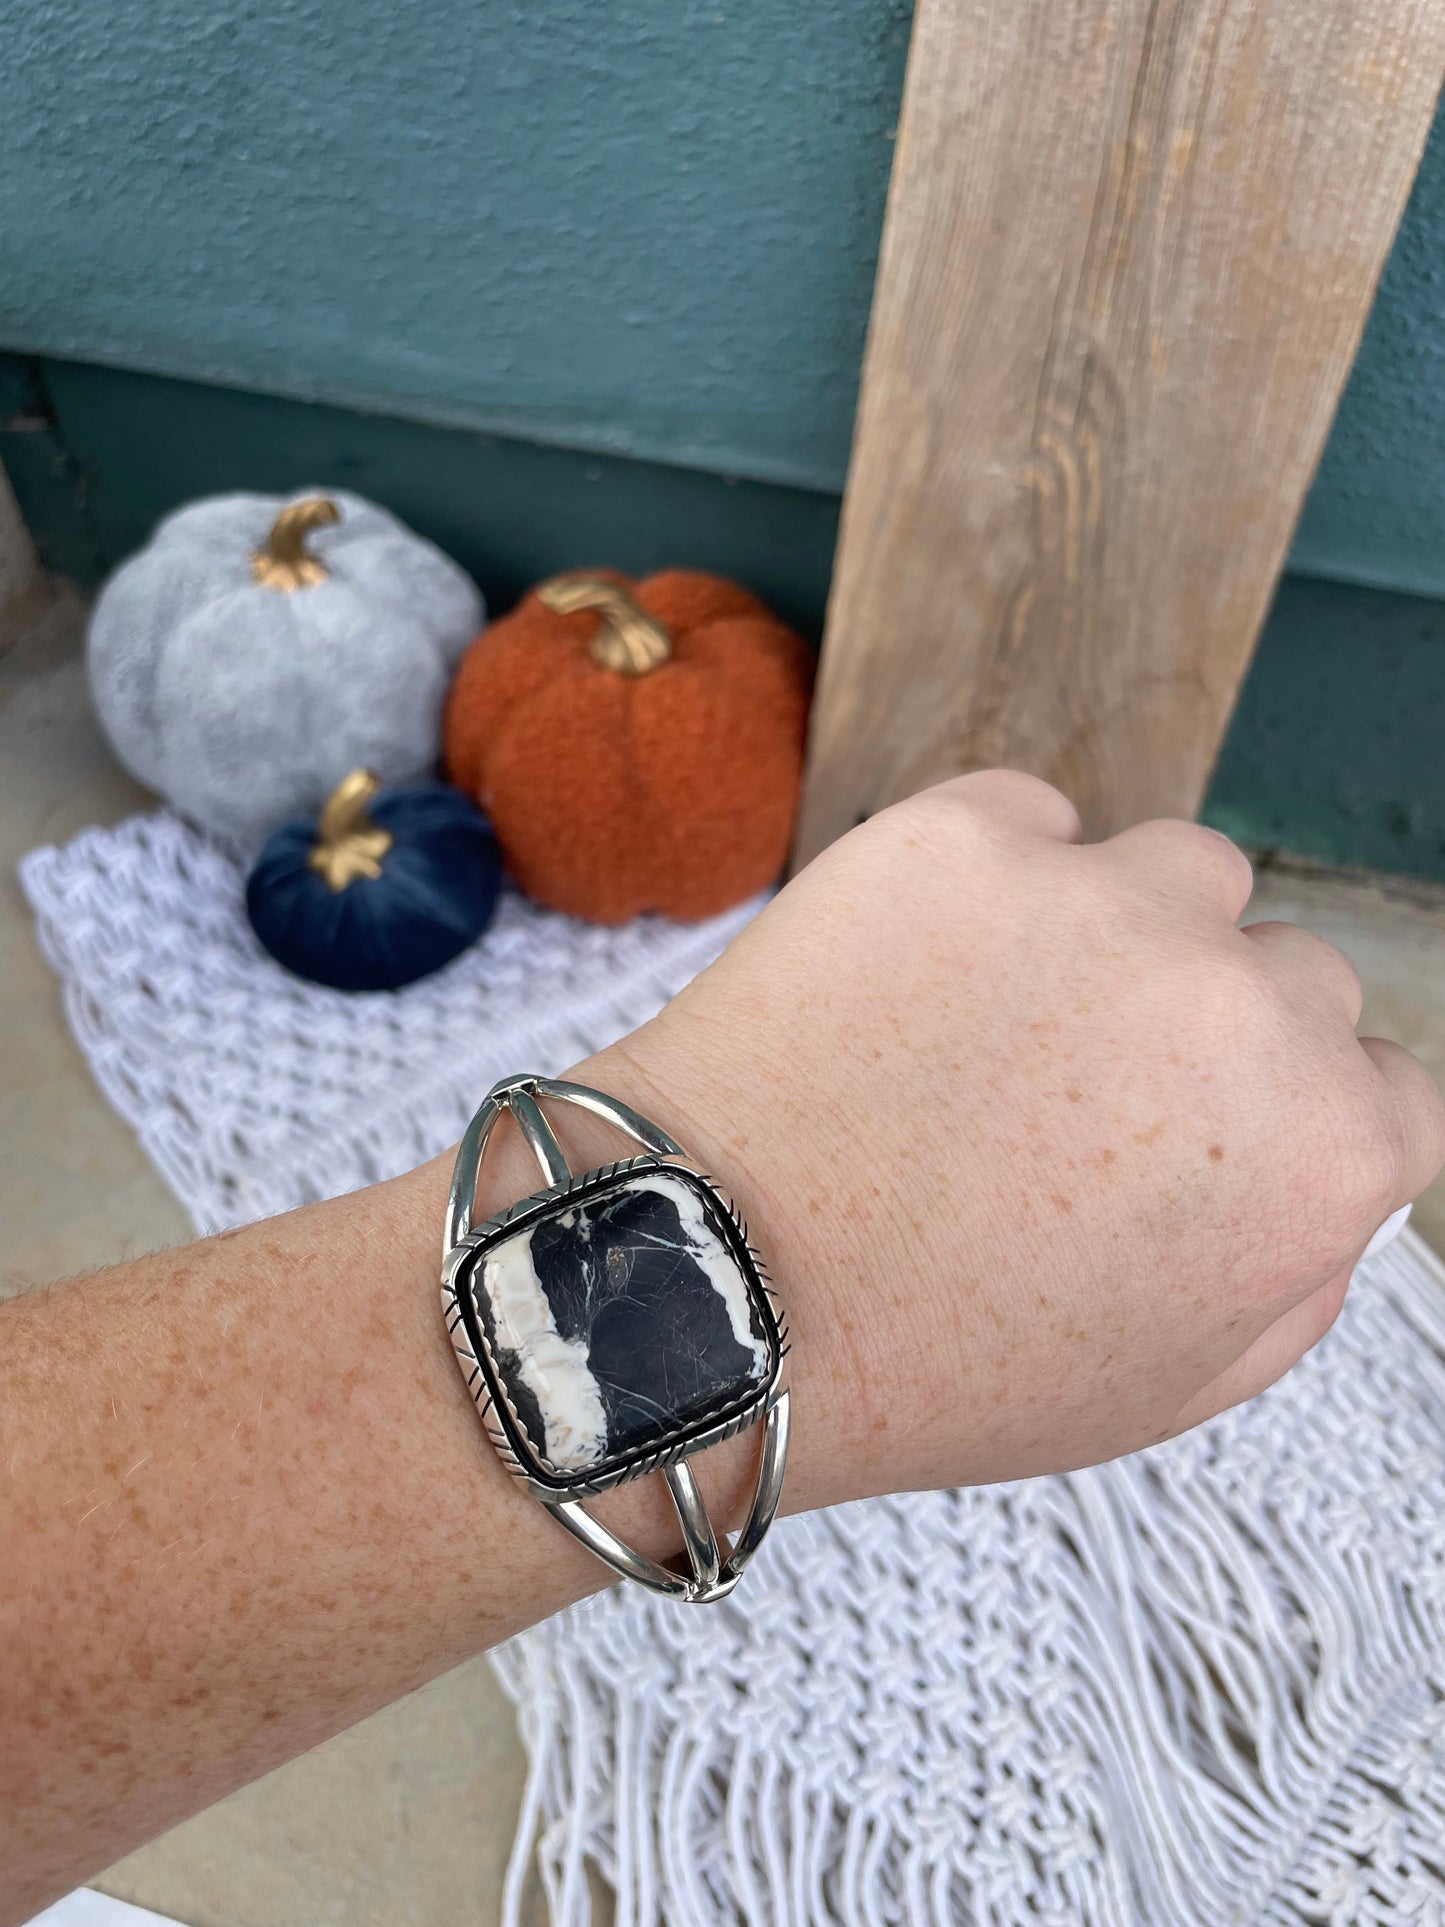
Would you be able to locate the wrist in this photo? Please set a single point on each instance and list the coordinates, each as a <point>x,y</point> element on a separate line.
<point>677,1089</point>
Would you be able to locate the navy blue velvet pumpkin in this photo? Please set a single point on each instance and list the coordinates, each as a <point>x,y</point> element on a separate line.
<point>385,887</point>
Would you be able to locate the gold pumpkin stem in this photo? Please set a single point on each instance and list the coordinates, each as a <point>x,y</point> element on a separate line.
<point>628,639</point>
<point>348,844</point>
<point>284,563</point>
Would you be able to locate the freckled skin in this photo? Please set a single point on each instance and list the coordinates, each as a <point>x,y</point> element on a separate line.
<point>1048,1158</point>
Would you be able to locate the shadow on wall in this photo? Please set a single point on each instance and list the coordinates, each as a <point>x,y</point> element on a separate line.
<point>98,455</point>
<point>1333,753</point>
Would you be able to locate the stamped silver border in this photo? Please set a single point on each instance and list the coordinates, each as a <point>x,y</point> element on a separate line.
<point>468,1329</point>
<point>712,1575</point>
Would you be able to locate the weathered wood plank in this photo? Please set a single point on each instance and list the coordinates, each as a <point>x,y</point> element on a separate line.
<point>1128,254</point>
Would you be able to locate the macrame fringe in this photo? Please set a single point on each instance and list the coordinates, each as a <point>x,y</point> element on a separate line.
<point>1203,1685</point>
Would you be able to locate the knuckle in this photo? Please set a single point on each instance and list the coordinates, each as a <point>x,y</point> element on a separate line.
<point>920,837</point>
<point>1302,961</point>
<point>1195,848</point>
<point>1228,856</point>
<point>1010,784</point>
<point>926,819</point>
<point>1336,960</point>
<point>1231,988</point>
<point>1009,796</point>
<point>1368,1172</point>
<point>1326,954</point>
<point>1432,1120</point>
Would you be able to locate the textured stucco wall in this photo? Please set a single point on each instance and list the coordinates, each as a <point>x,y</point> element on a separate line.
<point>649,229</point>
<point>1376,513</point>
<point>1334,750</point>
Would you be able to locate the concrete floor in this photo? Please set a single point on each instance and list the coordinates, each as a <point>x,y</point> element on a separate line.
<point>407,1820</point>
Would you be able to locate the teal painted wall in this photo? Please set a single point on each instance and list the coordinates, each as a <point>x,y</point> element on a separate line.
<point>1376,513</point>
<point>647,230</point>
<point>601,277</point>
<point>1335,749</point>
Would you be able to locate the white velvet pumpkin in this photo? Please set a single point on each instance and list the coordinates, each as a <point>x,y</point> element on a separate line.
<point>261,646</point>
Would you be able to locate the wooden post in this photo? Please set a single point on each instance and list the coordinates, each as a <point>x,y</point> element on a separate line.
<point>1129,250</point>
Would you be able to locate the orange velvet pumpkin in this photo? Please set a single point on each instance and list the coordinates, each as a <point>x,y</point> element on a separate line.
<point>637,746</point>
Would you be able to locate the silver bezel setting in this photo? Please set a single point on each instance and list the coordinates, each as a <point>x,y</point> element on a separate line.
<point>467,1326</point>
<point>713,1568</point>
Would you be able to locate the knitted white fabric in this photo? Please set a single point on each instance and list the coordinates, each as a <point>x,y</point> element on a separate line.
<point>1204,1685</point>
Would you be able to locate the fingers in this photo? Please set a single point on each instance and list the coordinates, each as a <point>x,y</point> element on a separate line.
<point>1315,970</point>
<point>1415,1116</point>
<point>1188,858</point>
<point>1024,802</point>
<point>1271,1355</point>
<point>1313,973</point>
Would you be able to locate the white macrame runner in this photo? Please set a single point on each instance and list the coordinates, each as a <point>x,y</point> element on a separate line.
<point>1205,1685</point>
<point>254,1092</point>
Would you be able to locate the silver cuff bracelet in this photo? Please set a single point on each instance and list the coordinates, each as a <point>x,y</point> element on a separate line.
<point>613,1324</point>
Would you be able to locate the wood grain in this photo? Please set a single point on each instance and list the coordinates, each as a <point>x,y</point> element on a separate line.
<point>1128,254</point>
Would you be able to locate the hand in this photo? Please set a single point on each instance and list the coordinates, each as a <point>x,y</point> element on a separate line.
<point>1050,1158</point>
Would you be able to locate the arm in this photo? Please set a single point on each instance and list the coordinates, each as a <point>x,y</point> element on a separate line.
<point>1050,1161</point>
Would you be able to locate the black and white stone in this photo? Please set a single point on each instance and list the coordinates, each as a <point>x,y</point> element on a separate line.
<point>620,1319</point>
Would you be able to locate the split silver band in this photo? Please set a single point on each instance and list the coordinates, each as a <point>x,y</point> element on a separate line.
<point>558,1305</point>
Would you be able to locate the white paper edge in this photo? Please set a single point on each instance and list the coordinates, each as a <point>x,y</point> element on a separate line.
<point>87,1908</point>
<point>1388,1231</point>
